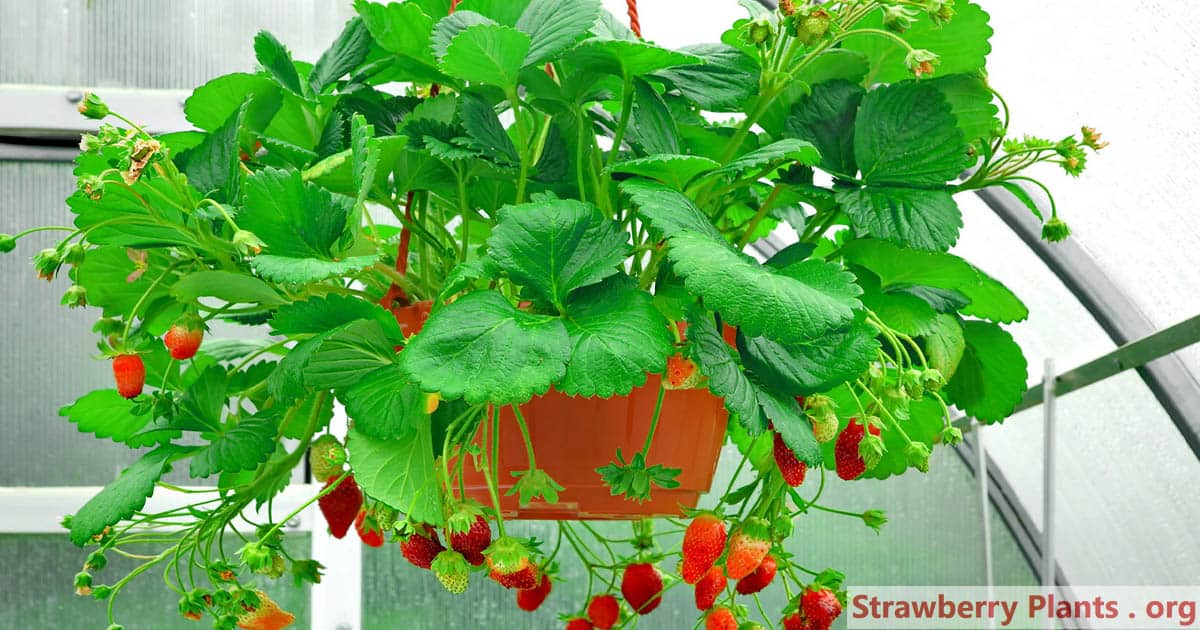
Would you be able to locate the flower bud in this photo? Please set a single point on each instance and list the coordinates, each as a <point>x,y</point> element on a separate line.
<point>951,435</point>
<point>1091,139</point>
<point>92,186</point>
<point>8,242</point>
<point>875,519</point>
<point>47,263</point>
<point>75,254</point>
<point>758,32</point>
<point>92,107</point>
<point>83,583</point>
<point>940,11</point>
<point>917,455</point>
<point>871,449</point>
<point>255,556</point>
<point>932,380</point>
<point>75,297</point>
<point>95,561</point>
<point>921,62</point>
<point>1055,230</point>
<point>247,243</point>
<point>898,19</point>
<point>101,592</point>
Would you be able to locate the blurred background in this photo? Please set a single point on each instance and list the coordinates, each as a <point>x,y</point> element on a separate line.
<point>1126,468</point>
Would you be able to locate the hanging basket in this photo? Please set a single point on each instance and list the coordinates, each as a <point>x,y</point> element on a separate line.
<point>574,436</point>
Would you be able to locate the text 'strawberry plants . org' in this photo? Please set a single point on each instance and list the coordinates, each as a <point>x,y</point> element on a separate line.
<point>464,208</point>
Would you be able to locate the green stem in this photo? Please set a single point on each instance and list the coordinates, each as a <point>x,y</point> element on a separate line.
<point>662,391</point>
<point>491,473</point>
<point>525,437</point>
<point>623,123</point>
<point>141,300</point>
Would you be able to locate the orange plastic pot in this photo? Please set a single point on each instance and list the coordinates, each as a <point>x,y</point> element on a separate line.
<point>574,436</point>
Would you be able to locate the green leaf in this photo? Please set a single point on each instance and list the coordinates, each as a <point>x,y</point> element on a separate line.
<point>243,447</point>
<point>901,311</point>
<point>346,53</point>
<point>651,126</point>
<point>450,26</point>
<point>212,166</point>
<point>398,472</point>
<point>320,314</point>
<point>399,27</point>
<point>211,104</point>
<point>799,302</point>
<point>277,60</point>
<point>482,349</point>
<point>990,379</point>
<point>286,270</point>
<point>315,410</point>
<point>106,414</point>
<point>723,83</point>
<point>826,118</point>
<point>124,496</point>
<point>384,404</point>
<point>105,274</point>
<point>810,366</point>
<point>668,211</point>
<point>286,383</point>
<point>911,217</point>
<point>487,134</point>
<point>617,337</point>
<point>971,102</point>
<point>673,170</point>
<point>487,54</point>
<point>204,399</point>
<point>906,135</point>
<point>293,217</point>
<point>505,12</point>
<point>774,155</point>
<point>945,345</point>
<point>627,58</point>
<point>726,379</point>
<point>902,268</point>
<point>555,247</point>
<point>231,287</point>
<point>962,45</point>
<point>792,425</point>
<point>364,156</point>
<point>555,25</point>
<point>1023,196</point>
<point>348,355</point>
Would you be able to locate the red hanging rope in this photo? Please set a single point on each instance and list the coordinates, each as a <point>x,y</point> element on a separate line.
<point>634,24</point>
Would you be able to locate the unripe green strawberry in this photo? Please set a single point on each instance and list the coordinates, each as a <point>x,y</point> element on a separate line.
<point>747,548</point>
<point>326,458</point>
<point>452,571</point>
<point>7,243</point>
<point>825,426</point>
<point>813,27</point>
<point>130,374</point>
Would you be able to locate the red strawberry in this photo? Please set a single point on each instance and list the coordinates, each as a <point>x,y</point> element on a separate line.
<point>747,548</point>
<point>604,611</point>
<point>509,564</point>
<point>265,616</point>
<point>682,373</point>
<point>368,530</point>
<point>472,542</point>
<point>849,462</point>
<point>642,587</point>
<point>758,580</point>
<point>184,337</point>
<point>420,548</point>
<point>821,606</point>
<point>721,619</point>
<point>530,599</point>
<point>797,621</point>
<point>703,543</point>
<point>579,623</point>
<point>792,469</point>
<point>709,588</point>
<point>130,374</point>
<point>341,505</point>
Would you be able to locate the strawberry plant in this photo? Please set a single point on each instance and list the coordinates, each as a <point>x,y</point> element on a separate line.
<point>460,208</point>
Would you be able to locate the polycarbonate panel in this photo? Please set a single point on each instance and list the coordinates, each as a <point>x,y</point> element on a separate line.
<point>934,537</point>
<point>1128,70</point>
<point>38,591</point>
<point>153,44</point>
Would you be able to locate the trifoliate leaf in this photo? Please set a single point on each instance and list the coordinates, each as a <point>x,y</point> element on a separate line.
<point>617,337</point>
<point>901,268</point>
<point>906,135</point>
<point>826,119</point>
<point>813,365</point>
<point>399,27</point>
<point>483,349</point>
<point>555,25</point>
<point>910,217</point>
<point>106,414</point>
<point>990,379</point>
<point>245,445</point>
<point>674,170</point>
<point>799,302</point>
<point>349,355</point>
<point>668,211</point>
<point>385,405</point>
<point>555,247</point>
<point>726,79</point>
<point>294,218</point>
<point>398,472</point>
<point>124,496</point>
<point>487,54</point>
